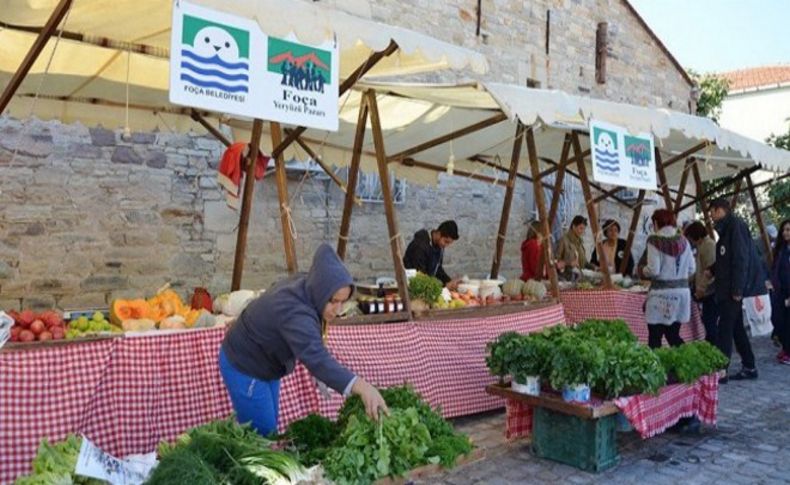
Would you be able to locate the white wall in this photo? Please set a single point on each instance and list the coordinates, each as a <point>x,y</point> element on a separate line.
<point>757,114</point>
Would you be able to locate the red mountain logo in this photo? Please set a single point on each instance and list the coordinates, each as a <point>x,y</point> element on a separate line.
<point>298,61</point>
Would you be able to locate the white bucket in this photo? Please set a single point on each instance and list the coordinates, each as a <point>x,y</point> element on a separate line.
<point>531,388</point>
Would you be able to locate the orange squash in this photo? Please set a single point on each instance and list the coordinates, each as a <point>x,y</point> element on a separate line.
<point>121,310</point>
<point>165,304</point>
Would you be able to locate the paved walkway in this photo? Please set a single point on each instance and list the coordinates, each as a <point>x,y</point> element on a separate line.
<point>751,444</point>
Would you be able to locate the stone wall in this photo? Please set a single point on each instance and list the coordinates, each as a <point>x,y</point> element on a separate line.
<point>86,217</point>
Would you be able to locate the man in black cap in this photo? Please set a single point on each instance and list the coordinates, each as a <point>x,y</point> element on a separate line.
<point>426,251</point>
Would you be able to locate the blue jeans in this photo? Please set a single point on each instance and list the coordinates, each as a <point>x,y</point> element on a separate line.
<point>255,401</point>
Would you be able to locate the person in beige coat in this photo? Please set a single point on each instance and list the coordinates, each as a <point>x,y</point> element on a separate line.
<point>703,277</point>
<point>570,251</point>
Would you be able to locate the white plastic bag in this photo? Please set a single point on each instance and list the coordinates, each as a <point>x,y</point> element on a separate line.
<point>757,315</point>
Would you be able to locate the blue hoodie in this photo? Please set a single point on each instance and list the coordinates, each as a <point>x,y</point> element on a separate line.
<point>284,324</point>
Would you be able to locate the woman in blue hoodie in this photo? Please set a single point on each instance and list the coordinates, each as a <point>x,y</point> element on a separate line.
<point>287,323</point>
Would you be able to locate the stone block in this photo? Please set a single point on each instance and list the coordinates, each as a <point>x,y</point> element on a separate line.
<point>126,155</point>
<point>82,301</point>
<point>98,283</point>
<point>219,217</point>
<point>144,138</point>
<point>156,159</point>
<point>7,304</point>
<point>102,137</point>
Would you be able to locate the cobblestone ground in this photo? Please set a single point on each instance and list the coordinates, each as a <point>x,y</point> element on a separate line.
<point>750,445</point>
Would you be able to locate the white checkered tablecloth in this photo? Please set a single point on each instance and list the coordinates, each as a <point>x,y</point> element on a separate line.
<point>613,304</point>
<point>127,394</point>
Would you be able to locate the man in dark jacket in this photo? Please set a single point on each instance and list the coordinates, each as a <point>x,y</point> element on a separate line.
<point>739,274</point>
<point>286,324</point>
<point>426,251</point>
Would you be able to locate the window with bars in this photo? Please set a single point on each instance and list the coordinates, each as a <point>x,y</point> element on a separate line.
<point>369,188</point>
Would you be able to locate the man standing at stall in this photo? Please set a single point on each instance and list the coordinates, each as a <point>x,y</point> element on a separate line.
<point>739,274</point>
<point>426,251</point>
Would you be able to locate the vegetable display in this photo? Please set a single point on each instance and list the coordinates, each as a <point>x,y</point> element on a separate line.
<point>54,464</point>
<point>692,360</point>
<point>359,450</point>
<point>223,452</point>
<point>425,288</point>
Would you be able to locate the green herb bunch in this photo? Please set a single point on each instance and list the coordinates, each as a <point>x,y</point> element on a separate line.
<point>629,368</point>
<point>692,360</point>
<point>575,361</point>
<point>311,438</point>
<point>606,330</point>
<point>54,464</point>
<point>425,288</point>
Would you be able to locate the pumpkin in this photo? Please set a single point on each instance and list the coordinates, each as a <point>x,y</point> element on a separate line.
<point>513,288</point>
<point>166,303</point>
<point>122,310</point>
<point>138,325</point>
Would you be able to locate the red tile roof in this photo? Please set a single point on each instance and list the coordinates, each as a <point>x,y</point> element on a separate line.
<point>757,77</point>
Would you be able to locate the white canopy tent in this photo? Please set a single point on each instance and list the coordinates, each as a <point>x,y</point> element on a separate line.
<point>105,47</point>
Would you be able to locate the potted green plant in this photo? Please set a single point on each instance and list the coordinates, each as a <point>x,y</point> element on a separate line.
<point>575,364</point>
<point>628,368</point>
<point>500,353</point>
<point>527,364</point>
<point>424,290</point>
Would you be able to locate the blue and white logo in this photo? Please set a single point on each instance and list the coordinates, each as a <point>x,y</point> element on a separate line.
<point>607,157</point>
<point>215,56</point>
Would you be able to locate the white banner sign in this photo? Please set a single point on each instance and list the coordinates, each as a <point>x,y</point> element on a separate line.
<point>620,158</point>
<point>226,64</point>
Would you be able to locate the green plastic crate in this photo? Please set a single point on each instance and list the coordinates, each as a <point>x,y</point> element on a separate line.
<point>587,444</point>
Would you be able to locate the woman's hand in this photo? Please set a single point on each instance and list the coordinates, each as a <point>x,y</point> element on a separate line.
<point>371,398</point>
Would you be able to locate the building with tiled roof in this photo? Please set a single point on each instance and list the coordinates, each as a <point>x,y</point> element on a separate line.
<point>758,103</point>
<point>756,78</point>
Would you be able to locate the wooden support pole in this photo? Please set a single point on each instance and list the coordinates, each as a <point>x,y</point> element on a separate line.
<point>593,185</point>
<point>282,194</point>
<point>702,200</point>
<point>684,178</point>
<point>209,127</point>
<point>246,205</point>
<point>511,186</point>
<point>545,228</point>
<point>556,166</point>
<point>317,158</point>
<point>591,211</point>
<point>662,179</point>
<point>410,162</point>
<point>559,180</point>
<point>344,86</point>
<point>32,54</point>
<point>681,156</point>
<point>760,223</point>
<point>772,180</point>
<point>389,206</point>
<point>726,183</point>
<point>480,125</point>
<point>488,163</point>
<point>353,174</point>
<point>738,187</point>
<point>629,240</point>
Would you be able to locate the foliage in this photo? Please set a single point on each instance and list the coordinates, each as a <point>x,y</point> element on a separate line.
<point>780,191</point>
<point>54,464</point>
<point>448,448</point>
<point>500,352</point>
<point>629,368</point>
<point>712,91</point>
<point>371,450</point>
<point>690,361</point>
<point>608,330</point>
<point>425,288</point>
<point>530,358</point>
<point>311,438</point>
<point>223,452</point>
<point>575,361</point>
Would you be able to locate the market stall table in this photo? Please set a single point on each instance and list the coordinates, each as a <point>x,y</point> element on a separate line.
<point>581,305</point>
<point>128,393</point>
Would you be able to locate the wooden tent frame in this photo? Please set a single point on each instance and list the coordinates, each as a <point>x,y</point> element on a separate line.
<point>369,111</point>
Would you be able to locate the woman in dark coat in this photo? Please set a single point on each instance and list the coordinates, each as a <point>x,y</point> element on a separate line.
<point>614,248</point>
<point>780,291</point>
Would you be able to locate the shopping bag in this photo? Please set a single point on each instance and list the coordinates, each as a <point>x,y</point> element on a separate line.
<point>757,315</point>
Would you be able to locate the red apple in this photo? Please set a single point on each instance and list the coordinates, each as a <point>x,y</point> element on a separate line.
<point>58,333</point>
<point>26,318</point>
<point>37,327</point>
<point>45,335</point>
<point>26,336</point>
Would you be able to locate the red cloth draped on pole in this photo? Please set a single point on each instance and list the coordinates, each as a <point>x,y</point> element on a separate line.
<point>231,171</point>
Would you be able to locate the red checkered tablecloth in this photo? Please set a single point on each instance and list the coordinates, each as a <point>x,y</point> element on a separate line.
<point>649,415</point>
<point>612,304</point>
<point>129,393</point>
